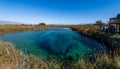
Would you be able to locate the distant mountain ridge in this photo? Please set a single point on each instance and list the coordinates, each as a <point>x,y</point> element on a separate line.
<point>8,22</point>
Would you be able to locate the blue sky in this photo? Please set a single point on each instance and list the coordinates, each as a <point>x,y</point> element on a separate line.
<point>58,11</point>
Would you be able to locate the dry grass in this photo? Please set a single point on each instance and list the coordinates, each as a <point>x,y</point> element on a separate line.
<point>22,28</point>
<point>102,62</point>
<point>14,28</point>
<point>87,29</point>
<point>10,58</point>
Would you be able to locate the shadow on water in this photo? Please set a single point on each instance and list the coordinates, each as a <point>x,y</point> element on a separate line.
<point>61,43</point>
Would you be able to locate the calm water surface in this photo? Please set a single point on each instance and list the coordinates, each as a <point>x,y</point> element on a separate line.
<point>61,42</point>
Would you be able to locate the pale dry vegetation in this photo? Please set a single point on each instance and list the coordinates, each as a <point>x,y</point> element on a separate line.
<point>14,28</point>
<point>87,29</point>
<point>22,28</point>
<point>10,58</point>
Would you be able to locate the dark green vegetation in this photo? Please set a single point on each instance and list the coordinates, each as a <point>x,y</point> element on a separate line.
<point>41,24</point>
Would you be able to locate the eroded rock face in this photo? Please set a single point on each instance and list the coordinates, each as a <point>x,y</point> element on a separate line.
<point>62,42</point>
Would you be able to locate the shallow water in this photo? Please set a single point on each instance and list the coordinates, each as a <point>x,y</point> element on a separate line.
<point>61,43</point>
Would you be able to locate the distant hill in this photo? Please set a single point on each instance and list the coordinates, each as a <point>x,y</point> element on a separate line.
<point>8,22</point>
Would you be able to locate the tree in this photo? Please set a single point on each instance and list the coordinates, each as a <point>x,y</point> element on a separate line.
<point>99,22</point>
<point>41,24</point>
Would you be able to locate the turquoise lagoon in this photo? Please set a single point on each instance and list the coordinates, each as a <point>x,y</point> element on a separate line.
<point>54,43</point>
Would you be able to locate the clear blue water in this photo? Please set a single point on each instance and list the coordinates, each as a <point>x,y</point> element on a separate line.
<point>59,43</point>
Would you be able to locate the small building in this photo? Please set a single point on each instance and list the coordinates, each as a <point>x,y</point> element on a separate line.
<point>115,24</point>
